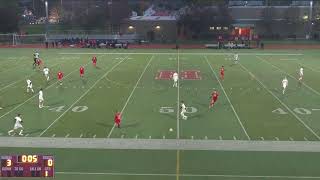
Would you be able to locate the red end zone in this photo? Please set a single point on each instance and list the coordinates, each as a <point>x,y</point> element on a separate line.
<point>185,75</point>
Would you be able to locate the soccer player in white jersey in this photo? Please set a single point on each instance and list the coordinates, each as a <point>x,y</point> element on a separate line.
<point>300,75</point>
<point>29,86</point>
<point>17,125</point>
<point>46,73</point>
<point>41,98</point>
<point>175,78</point>
<point>236,58</point>
<point>284,84</point>
<point>35,58</point>
<point>183,110</point>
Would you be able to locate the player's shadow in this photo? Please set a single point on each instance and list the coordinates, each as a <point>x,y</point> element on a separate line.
<point>104,124</point>
<point>84,81</point>
<point>33,131</point>
<point>55,103</point>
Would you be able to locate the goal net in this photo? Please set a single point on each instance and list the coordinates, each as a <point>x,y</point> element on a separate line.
<point>6,39</point>
<point>29,39</point>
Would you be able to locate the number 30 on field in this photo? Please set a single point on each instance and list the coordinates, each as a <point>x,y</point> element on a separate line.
<point>302,111</point>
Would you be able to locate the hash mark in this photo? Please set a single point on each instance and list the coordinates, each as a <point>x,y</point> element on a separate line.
<point>291,139</point>
<point>136,136</point>
<point>277,138</point>
<point>149,137</point>
<point>305,139</point>
<point>234,138</point>
<point>262,138</point>
<point>206,137</point>
<point>191,137</point>
<point>220,137</point>
<point>53,135</point>
<point>122,136</point>
<point>81,135</point>
<point>163,137</point>
<point>67,135</point>
<point>26,135</point>
<point>94,136</point>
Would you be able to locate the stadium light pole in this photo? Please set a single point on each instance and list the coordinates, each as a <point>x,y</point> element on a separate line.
<point>47,18</point>
<point>310,18</point>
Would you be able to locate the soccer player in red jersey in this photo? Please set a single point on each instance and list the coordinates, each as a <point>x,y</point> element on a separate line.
<point>214,98</point>
<point>60,76</point>
<point>81,71</point>
<point>39,62</point>
<point>117,119</point>
<point>222,73</point>
<point>94,61</point>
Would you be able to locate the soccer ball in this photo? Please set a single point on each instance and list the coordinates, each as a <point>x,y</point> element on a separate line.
<point>170,129</point>
<point>184,118</point>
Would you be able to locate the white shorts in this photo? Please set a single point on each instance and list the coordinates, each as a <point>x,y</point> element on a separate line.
<point>284,86</point>
<point>17,126</point>
<point>46,74</point>
<point>175,80</point>
<point>41,99</point>
<point>183,111</point>
<point>30,86</point>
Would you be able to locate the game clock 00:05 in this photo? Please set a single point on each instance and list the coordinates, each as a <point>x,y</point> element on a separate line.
<point>27,166</point>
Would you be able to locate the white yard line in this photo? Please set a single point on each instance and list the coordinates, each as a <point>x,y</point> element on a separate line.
<point>282,103</point>
<point>83,95</point>
<point>134,88</point>
<point>187,175</point>
<point>231,105</point>
<point>178,97</point>
<point>310,88</point>
<point>36,94</point>
<point>25,78</point>
<point>204,53</point>
<point>308,67</point>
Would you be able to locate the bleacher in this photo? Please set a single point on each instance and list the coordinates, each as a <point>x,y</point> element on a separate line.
<point>246,3</point>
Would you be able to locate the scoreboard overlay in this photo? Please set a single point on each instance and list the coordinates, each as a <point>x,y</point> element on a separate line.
<point>27,166</point>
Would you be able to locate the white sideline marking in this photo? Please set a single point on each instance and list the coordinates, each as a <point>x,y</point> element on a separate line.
<point>84,94</point>
<point>222,54</point>
<point>36,94</point>
<point>283,104</point>
<point>67,135</point>
<point>134,88</point>
<point>231,105</point>
<point>187,175</point>
<point>178,97</point>
<point>309,87</point>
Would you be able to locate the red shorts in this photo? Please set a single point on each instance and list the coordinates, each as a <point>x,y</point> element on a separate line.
<point>222,74</point>
<point>59,78</point>
<point>117,122</point>
<point>214,100</point>
<point>81,72</point>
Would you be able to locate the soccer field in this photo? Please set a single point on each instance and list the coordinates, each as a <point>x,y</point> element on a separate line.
<point>251,106</point>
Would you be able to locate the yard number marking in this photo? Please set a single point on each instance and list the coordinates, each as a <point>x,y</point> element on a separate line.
<point>75,109</point>
<point>171,110</point>
<point>302,111</point>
